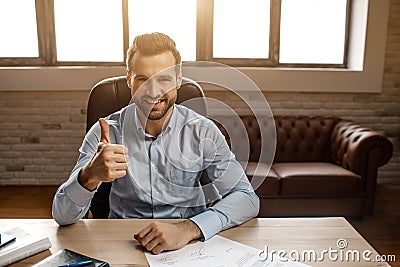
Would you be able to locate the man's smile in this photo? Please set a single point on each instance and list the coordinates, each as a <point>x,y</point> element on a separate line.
<point>154,104</point>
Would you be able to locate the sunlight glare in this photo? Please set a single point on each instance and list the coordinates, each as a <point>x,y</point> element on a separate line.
<point>313,31</point>
<point>89,30</point>
<point>18,29</point>
<point>241,29</point>
<point>166,17</point>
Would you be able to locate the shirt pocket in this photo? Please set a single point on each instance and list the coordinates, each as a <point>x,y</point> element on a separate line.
<point>183,183</point>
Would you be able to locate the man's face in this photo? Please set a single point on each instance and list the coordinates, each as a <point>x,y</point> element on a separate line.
<point>153,82</point>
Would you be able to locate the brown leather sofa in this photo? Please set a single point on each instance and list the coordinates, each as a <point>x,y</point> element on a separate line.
<point>322,166</point>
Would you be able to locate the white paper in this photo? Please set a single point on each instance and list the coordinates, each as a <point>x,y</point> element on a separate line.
<point>217,252</point>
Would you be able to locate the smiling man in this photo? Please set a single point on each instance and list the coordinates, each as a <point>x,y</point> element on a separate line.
<point>153,151</point>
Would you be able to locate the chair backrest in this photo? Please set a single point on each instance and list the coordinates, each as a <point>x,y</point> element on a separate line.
<point>112,94</point>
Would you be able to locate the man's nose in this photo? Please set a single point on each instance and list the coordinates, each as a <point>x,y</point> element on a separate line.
<point>153,89</point>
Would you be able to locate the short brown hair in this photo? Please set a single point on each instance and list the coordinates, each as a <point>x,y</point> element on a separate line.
<point>153,44</point>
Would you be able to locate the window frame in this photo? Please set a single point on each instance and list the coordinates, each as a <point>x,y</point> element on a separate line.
<point>204,40</point>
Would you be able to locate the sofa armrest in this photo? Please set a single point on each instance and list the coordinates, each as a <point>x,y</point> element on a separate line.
<point>352,145</point>
<point>362,151</point>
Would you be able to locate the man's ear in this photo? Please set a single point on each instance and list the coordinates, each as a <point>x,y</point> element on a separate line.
<point>179,80</point>
<point>128,79</point>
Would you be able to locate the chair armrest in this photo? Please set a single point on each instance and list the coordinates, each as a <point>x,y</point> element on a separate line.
<point>356,147</point>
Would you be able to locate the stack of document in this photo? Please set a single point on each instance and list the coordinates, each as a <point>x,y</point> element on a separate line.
<point>24,246</point>
<point>218,252</point>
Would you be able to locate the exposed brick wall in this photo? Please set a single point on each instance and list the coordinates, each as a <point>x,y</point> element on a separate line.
<point>40,135</point>
<point>42,131</point>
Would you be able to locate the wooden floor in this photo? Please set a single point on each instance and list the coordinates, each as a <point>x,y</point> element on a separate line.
<point>382,230</point>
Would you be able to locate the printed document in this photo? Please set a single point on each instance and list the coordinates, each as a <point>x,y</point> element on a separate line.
<point>218,251</point>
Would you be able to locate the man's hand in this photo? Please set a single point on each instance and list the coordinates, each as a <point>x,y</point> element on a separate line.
<point>109,162</point>
<point>158,236</point>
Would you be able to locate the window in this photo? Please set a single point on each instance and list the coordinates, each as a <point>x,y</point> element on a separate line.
<point>13,32</point>
<point>164,16</point>
<point>316,34</point>
<point>288,33</point>
<point>89,30</point>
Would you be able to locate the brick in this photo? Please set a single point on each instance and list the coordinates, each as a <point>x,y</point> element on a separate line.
<point>312,105</point>
<point>28,126</point>
<point>15,168</point>
<point>9,140</point>
<point>9,155</point>
<point>26,180</point>
<point>51,126</point>
<point>6,176</point>
<point>30,140</point>
<point>77,118</point>
<point>25,175</point>
<point>66,162</point>
<point>54,168</point>
<point>15,104</point>
<point>34,168</point>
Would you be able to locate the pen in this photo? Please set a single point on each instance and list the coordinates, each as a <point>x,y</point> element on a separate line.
<point>77,264</point>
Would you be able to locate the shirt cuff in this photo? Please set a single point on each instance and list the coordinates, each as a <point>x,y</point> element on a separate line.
<point>209,223</point>
<point>77,193</point>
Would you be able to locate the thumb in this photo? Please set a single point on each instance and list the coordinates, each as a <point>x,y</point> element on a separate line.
<point>105,131</point>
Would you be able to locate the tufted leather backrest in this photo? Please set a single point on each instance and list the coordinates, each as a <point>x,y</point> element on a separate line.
<point>247,144</point>
<point>303,138</point>
<point>298,138</point>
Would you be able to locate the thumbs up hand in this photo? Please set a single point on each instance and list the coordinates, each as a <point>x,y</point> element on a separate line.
<point>109,163</point>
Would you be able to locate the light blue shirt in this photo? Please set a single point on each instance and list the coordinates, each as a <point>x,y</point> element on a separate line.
<point>163,175</point>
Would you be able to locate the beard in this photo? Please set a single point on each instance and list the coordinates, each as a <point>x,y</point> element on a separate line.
<point>158,110</point>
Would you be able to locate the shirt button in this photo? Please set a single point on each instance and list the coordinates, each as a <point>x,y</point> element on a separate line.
<point>157,193</point>
<point>155,167</point>
<point>155,143</point>
<point>87,198</point>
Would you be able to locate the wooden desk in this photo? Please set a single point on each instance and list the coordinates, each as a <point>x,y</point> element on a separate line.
<point>112,240</point>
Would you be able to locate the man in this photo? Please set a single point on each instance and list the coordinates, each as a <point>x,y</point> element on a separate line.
<point>153,152</point>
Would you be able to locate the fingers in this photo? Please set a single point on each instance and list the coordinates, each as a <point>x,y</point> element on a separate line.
<point>105,131</point>
<point>114,151</point>
<point>154,237</point>
<point>115,167</point>
<point>152,241</point>
<point>110,162</point>
<point>158,237</point>
<point>142,233</point>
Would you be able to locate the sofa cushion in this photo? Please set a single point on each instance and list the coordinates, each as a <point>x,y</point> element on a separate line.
<point>264,180</point>
<point>316,179</point>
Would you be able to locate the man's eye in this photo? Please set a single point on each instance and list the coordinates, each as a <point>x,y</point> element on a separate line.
<point>140,79</point>
<point>166,79</point>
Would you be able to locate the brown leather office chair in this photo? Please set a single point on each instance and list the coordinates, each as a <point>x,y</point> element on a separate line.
<point>112,94</point>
